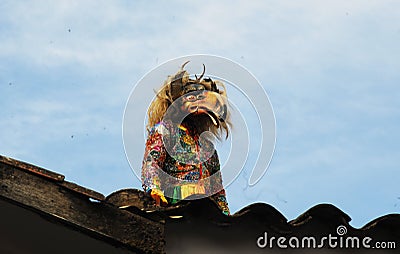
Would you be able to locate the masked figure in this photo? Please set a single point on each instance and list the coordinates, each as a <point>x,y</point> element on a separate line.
<point>180,161</point>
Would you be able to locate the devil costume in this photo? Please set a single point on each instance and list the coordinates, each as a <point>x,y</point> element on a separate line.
<point>179,162</point>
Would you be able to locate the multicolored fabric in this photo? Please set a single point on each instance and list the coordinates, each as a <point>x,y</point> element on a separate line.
<point>189,160</point>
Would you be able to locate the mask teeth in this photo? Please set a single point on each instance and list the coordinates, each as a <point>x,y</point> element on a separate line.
<point>213,119</point>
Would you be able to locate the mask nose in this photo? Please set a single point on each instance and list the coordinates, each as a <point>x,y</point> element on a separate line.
<point>195,96</point>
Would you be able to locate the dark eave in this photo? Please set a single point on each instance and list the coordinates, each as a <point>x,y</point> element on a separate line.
<point>50,195</point>
<point>129,219</point>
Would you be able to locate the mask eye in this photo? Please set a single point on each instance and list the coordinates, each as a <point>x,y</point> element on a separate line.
<point>190,97</point>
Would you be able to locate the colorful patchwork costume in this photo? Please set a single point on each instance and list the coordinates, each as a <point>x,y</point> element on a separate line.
<point>180,161</point>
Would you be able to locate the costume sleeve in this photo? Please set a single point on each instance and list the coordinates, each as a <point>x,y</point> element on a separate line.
<point>153,161</point>
<point>220,199</point>
<point>220,196</point>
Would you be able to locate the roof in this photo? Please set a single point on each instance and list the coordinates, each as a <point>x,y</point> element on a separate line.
<point>46,213</point>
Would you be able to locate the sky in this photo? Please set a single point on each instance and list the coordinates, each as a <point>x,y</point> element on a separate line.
<point>330,69</point>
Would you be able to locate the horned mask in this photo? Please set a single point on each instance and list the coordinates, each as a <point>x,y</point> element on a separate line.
<point>197,97</point>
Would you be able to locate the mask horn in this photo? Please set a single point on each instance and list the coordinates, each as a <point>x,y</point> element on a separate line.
<point>183,65</point>
<point>201,76</point>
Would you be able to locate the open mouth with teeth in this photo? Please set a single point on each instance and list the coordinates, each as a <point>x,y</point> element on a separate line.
<point>208,103</point>
<point>196,110</point>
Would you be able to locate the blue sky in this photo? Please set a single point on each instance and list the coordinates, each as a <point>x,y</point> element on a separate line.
<point>330,69</point>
